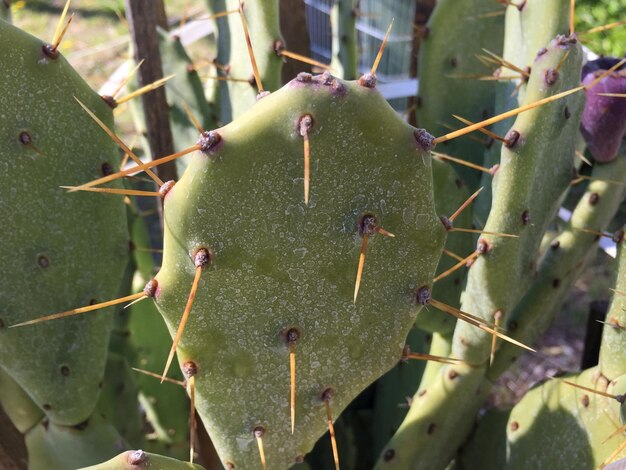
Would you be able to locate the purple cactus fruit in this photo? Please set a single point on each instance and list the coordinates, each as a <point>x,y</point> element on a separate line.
<point>604,119</point>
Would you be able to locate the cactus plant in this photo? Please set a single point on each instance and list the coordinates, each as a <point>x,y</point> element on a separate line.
<point>303,257</point>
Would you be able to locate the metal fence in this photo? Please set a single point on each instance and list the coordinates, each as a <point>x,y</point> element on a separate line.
<point>372,23</point>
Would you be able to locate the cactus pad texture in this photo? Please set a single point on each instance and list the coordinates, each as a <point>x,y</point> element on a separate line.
<point>58,250</point>
<point>604,119</point>
<point>274,267</point>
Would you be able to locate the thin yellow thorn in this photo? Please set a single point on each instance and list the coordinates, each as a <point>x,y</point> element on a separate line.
<point>80,310</point>
<point>500,78</point>
<point>359,271</point>
<point>126,155</point>
<point>259,431</point>
<point>593,232</point>
<point>597,392</point>
<point>148,250</point>
<point>506,115</point>
<point>201,259</point>
<point>123,191</point>
<point>496,324</point>
<point>134,302</point>
<point>127,79</point>
<point>486,61</point>
<point>452,255</point>
<point>185,15</point>
<point>605,74</point>
<point>572,17</point>
<point>561,62</point>
<point>580,155</point>
<point>456,312</point>
<point>383,232</point>
<point>57,43</point>
<point>145,89</point>
<point>158,376</point>
<point>121,17</point>
<point>255,69</point>
<point>507,64</point>
<point>430,357</point>
<point>471,230</point>
<point>303,58</point>
<point>292,384</point>
<point>476,322</point>
<point>226,79</point>
<point>443,156</point>
<point>487,15</point>
<point>218,15</point>
<point>192,118</point>
<point>615,433</point>
<point>493,135</point>
<point>479,76</point>
<point>591,178</point>
<point>381,50</point>
<point>326,396</point>
<point>599,29</point>
<point>119,142</point>
<point>465,204</point>
<point>618,292</point>
<point>457,266</point>
<point>306,122</point>
<point>57,31</point>
<point>469,136</point>
<point>615,453</point>
<point>516,89</point>
<point>614,95</point>
<point>191,383</point>
<point>135,169</point>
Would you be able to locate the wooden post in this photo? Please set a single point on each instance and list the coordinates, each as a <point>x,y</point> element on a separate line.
<point>143,17</point>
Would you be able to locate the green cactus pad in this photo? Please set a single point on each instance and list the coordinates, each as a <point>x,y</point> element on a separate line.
<point>58,250</point>
<point>140,460</point>
<point>613,349</point>
<point>559,426</point>
<point>457,32</point>
<point>565,259</point>
<point>66,448</point>
<point>16,403</point>
<point>277,264</point>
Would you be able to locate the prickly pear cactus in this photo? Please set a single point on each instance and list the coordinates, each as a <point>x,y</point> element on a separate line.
<point>58,250</point>
<point>275,270</point>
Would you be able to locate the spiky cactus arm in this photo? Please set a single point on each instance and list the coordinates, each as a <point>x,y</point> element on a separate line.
<point>60,364</point>
<point>535,170</point>
<point>545,20</point>
<point>345,60</point>
<point>448,71</point>
<point>566,258</point>
<point>612,351</point>
<point>278,266</point>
